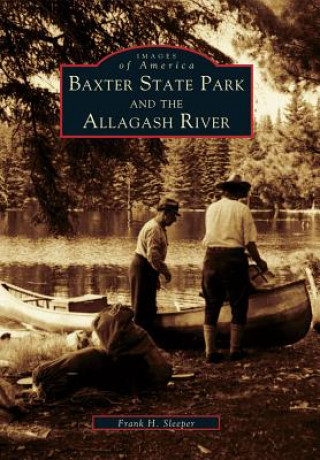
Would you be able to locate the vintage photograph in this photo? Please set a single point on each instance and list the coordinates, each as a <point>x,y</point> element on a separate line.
<point>172,276</point>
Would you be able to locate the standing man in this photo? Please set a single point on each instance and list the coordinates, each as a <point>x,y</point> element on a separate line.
<point>149,262</point>
<point>230,230</point>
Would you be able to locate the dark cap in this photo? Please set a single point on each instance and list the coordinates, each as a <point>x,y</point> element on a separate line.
<point>168,204</point>
<point>235,184</point>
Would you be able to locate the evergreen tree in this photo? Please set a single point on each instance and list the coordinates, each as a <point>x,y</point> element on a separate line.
<point>195,173</point>
<point>4,154</point>
<point>14,170</point>
<point>38,35</point>
<point>266,124</point>
<point>184,174</point>
<point>255,150</point>
<point>264,139</point>
<point>300,139</point>
<point>284,176</point>
<point>136,180</point>
<point>147,181</point>
<point>216,165</point>
<point>239,150</point>
<point>174,183</point>
<point>122,190</point>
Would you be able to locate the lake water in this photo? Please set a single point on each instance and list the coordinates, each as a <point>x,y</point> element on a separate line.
<point>97,260</point>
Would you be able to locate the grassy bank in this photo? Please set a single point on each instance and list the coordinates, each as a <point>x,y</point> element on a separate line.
<point>269,405</point>
<point>25,353</point>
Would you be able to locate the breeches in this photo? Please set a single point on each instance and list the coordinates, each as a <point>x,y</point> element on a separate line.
<point>225,276</point>
<point>143,285</point>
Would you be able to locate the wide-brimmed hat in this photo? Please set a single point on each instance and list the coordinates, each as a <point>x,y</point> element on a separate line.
<point>235,184</point>
<point>168,204</point>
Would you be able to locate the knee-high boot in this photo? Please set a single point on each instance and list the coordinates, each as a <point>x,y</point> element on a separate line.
<point>209,333</point>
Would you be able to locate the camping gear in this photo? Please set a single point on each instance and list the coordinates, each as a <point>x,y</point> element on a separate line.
<point>123,339</point>
<point>127,361</point>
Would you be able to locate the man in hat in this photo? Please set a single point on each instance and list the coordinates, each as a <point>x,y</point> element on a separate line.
<point>230,230</point>
<point>149,263</point>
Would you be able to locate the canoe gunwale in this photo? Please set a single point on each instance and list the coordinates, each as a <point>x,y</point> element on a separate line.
<point>256,294</point>
<point>298,313</point>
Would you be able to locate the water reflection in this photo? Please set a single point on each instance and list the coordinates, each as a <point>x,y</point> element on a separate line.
<point>111,280</point>
<point>189,226</point>
<point>97,260</point>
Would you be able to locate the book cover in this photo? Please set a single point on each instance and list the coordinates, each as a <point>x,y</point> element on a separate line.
<point>72,205</point>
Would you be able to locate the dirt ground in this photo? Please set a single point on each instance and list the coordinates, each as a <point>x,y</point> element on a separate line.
<point>269,405</point>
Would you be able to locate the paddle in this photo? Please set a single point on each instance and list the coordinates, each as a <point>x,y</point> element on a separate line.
<point>260,279</point>
<point>315,299</point>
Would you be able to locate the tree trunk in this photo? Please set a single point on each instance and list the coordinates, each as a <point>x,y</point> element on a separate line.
<point>276,211</point>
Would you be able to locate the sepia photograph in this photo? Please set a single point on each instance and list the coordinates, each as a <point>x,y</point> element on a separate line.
<point>159,229</point>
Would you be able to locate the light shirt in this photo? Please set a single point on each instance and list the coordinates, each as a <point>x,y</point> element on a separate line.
<point>152,244</point>
<point>229,224</point>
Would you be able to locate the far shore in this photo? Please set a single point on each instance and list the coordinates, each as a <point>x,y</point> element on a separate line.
<point>183,209</point>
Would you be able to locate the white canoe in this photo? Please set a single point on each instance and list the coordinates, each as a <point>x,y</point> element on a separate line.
<point>54,314</point>
<point>277,315</point>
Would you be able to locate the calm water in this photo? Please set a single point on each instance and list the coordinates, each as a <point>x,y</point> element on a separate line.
<point>97,260</point>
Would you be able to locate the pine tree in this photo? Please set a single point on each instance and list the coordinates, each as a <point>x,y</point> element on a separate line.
<point>239,150</point>
<point>4,154</point>
<point>14,169</point>
<point>36,37</point>
<point>147,180</point>
<point>174,183</point>
<point>300,140</point>
<point>216,165</point>
<point>264,139</point>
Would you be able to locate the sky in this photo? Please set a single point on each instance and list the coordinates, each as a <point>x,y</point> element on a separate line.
<point>276,6</point>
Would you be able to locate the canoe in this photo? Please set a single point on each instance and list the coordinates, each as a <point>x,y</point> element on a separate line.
<point>277,315</point>
<point>53,314</point>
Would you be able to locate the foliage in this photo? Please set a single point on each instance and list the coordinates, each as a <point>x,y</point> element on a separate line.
<point>216,165</point>
<point>284,166</point>
<point>135,180</point>
<point>173,174</point>
<point>194,168</point>
<point>284,38</point>
<point>4,153</point>
<point>35,37</point>
<point>14,175</point>
<point>281,161</point>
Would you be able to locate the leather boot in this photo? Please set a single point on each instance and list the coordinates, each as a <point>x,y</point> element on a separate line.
<point>236,338</point>
<point>209,333</point>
